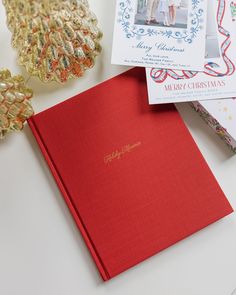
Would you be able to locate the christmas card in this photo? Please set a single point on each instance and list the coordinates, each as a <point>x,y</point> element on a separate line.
<point>160,33</point>
<point>219,75</point>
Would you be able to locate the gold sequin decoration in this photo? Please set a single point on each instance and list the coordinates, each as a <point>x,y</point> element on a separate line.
<point>56,39</point>
<point>15,106</point>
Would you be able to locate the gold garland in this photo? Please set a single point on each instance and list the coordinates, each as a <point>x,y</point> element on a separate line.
<point>15,106</point>
<point>56,39</point>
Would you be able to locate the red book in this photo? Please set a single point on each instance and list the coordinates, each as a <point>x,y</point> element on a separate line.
<point>131,174</point>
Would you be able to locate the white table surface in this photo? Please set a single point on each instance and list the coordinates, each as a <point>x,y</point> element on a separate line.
<point>41,250</point>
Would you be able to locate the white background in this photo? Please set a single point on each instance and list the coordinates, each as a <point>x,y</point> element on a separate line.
<point>41,250</point>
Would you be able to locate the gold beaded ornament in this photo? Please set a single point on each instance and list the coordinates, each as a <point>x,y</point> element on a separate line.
<point>15,106</point>
<point>56,39</point>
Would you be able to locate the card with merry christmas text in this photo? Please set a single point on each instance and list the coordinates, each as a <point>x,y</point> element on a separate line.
<point>219,75</point>
<point>160,33</point>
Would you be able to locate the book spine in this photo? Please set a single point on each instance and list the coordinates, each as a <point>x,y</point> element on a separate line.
<point>104,273</point>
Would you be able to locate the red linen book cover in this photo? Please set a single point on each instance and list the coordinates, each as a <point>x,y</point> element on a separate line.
<point>131,174</point>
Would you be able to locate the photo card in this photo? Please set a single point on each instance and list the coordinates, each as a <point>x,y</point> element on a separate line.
<point>160,33</point>
<point>217,80</point>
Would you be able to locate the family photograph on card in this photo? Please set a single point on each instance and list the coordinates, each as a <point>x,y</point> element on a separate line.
<point>162,13</point>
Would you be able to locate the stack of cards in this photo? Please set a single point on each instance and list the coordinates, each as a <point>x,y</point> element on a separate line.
<point>188,48</point>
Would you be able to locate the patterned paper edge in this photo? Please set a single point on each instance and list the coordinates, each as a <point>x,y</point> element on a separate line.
<point>215,125</point>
